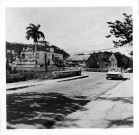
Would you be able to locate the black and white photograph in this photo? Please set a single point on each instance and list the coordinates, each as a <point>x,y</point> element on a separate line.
<point>69,67</point>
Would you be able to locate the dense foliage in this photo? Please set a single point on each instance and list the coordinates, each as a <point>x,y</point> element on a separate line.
<point>34,33</point>
<point>123,61</point>
<point>122,30</point>
<point>18,47</point>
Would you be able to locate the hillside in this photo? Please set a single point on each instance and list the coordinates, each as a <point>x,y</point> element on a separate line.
<point>18,47</point>
<point>125,50</point>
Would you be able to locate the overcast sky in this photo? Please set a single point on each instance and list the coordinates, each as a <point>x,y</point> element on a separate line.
<point>73,29</point>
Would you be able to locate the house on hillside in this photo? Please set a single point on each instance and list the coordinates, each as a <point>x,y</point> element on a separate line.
<point>105,60</point>
<point>85,60</point>
<point>43,43</point>
<point>11,55</point>
<point>11,51</point>
<point>28,57</point>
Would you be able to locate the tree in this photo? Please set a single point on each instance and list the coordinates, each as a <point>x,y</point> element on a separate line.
<point>123,61</point>
<point>34,33</point>
<point>122,30</point>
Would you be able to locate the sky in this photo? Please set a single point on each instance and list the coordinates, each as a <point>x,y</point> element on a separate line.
<point>74,29</point>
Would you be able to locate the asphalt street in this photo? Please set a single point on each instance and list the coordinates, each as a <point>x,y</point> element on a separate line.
<point>90,86</point>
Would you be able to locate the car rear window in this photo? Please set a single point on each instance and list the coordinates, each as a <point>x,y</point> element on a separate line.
<point>115,69</point>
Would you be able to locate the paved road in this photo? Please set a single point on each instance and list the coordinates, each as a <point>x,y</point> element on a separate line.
<point>90,86</point>
<point>52,100</point>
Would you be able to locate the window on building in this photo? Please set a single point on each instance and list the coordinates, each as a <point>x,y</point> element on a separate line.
<point>37,55</point>
<point>23,56</point>
<point>52,56</point>
<point>48,62</point>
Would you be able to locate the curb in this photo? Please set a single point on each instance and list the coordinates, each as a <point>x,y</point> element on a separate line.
<point>75,78</point>
<point>59,80</point>
<point>21,87</point>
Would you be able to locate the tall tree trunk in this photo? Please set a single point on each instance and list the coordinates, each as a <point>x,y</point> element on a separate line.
<point>35,54</point>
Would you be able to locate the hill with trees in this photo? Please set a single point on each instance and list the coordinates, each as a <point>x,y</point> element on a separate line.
<point>18,47</point>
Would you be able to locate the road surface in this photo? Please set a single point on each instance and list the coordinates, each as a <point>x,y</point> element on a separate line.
<point>40,106</point>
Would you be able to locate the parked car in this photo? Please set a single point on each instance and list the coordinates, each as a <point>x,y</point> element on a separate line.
<point>114,73</point>
<point>129,70</point>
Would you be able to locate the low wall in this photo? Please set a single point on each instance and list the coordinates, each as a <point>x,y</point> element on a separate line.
<point>15,79</point>
<point>63,74</point>
<point>96,69</point>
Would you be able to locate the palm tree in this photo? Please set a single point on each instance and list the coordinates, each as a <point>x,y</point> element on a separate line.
<point>34,33</point>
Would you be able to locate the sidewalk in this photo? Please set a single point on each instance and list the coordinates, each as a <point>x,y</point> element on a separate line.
<point>114,109</point>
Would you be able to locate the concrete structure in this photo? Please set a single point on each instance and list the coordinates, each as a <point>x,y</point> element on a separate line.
<point>113,61</point>
<point>102,60</point>
<point>28,57</point>
<point>10,51</point>
<point>43,43</point>
<point>63,74</point>
<point>85,60</point>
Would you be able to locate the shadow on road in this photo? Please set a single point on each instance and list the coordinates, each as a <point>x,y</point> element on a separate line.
<point>124,122</point>
<point>123,79</point>
<point>45,108</point>
<point>122,99</point>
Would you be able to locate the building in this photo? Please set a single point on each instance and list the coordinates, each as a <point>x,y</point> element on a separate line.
<point>85,60</point>
<point>11,55</point>
<point>43,43</point>
<point>28,57</point>
<point>113,61</point>
<point>103,60</point>
<point>11,51</point>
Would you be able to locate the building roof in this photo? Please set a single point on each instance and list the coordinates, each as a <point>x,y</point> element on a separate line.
<point>112,58</point>
<point>79,57</point>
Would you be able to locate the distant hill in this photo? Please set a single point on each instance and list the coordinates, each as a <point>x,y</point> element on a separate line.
<point>18,47</point>
<point>125,50</point>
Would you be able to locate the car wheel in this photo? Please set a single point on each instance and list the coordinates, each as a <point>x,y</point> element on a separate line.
<point>107,78</point>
